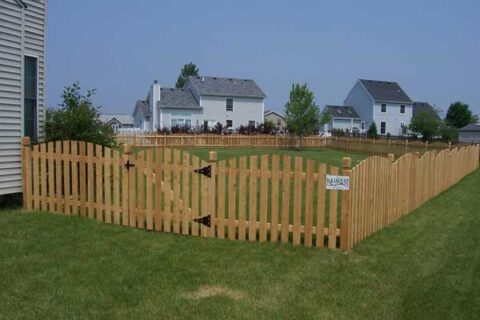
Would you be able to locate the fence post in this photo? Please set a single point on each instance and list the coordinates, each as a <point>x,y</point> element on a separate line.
<point>26,172</point>
<point>449,146</point>
<point>426,146</point>
<point>406,146</point>
<point>345,243</point>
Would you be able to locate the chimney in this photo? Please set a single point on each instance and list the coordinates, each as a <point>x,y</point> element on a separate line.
<point>153,101</point>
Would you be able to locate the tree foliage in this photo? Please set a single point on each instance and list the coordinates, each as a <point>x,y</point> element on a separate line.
<point>77,119</point>
<point>326,117</point>
<point>372,132</point>
<point>426,125</point>
<point>301,112</point>
<point>190,69</point>
<point>459,115</point>
<point>448,133</point>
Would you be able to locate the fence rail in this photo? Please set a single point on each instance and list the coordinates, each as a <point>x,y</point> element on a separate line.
<point>363,145</point>
<point>258,198</point>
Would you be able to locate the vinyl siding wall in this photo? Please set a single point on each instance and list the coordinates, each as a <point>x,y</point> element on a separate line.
<point>244,110</point>
<point>22,32</point>
<point>392,117</point>
<point>362,102</point>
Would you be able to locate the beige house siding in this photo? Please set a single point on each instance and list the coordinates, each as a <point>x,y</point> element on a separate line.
<point>22,32</point>
<point>277,120</point>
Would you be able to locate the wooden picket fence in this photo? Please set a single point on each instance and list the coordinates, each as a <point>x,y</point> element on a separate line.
<point>363,145</point>
<point>385,190</point>
<point>219,141</point>
<point>258,198</point>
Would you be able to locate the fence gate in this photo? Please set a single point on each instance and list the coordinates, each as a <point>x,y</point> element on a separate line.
<point>170,191</point>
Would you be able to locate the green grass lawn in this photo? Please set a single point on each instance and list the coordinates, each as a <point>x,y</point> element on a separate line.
<point>425,266</point>
<point>323,155</point>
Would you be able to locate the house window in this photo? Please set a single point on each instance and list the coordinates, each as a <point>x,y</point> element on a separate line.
<point>229,123</point>
<point>30,98</point>
<point>363,125</point>
<point>251,123</point>
<point>180,119</point>
<point>384,107</point>
<point>402,108</point>
<point>383,127</point>
<point>229,104</point>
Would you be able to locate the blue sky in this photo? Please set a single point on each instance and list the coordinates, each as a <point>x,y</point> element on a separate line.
<point>432,48</point>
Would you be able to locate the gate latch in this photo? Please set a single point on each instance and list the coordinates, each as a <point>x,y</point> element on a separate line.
<point>129,165</point>
<point>206,221</point>
<point>206,171</point>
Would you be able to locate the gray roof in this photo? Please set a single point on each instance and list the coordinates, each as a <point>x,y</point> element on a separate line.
<point>425,107</point>
<point>341,111</point>
<point>385,91</point>
<point>122,118</point>
<point>471,127</point>
<point>229,87</point>
<point>143,107</point>
<point>173,98</point>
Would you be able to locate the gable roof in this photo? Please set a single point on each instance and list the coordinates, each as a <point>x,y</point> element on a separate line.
<point>143,107</point>
<point>386,91</point>
<point>173,98</point>
<point>227,87</point>
<point>267,112</point>
<point>341,111</point>
<point>424,107</point>
<point>122,118</point>
<point>475,127</point>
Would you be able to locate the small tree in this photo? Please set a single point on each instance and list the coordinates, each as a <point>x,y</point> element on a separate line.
<point>448,133</point>
<point>459,115</point>
<point>301,112</point>
<point>190,69</point>
<point>77,119</point>
<point>372,131</point>
<point>325,118</point>
<point>426,125</point>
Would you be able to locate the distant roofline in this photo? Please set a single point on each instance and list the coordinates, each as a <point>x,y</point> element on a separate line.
<point>273,111</point>
<point>263,96</point>
<point>379,100</point>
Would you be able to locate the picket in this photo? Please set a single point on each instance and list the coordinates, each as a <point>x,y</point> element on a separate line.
<point>252,199</point>
<point>67,186</point>
<point>285,198</point>
<point>263,197</point>
<point>232,197</point>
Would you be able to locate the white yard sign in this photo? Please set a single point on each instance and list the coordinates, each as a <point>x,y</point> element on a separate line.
<point>338,182</point>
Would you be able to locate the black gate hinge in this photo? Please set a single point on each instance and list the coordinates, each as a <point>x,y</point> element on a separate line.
<point>129,165</point>
<point>206,171</point>
<point>206,221</point>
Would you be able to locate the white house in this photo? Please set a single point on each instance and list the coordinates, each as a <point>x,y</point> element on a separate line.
<point>118,122</point>
<point>382,102</point>
<point>275,117</point>
<point>342,118</point>
<point>22,78</point>
<point>203,101</point>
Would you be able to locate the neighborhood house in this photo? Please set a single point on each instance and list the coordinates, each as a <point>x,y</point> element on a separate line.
<point>382,102</point>
<point>203,101</point>
<point>118,122</point>
<point>274,117</point>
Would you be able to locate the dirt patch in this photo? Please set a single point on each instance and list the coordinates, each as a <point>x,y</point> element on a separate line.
<point>211,291</point>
